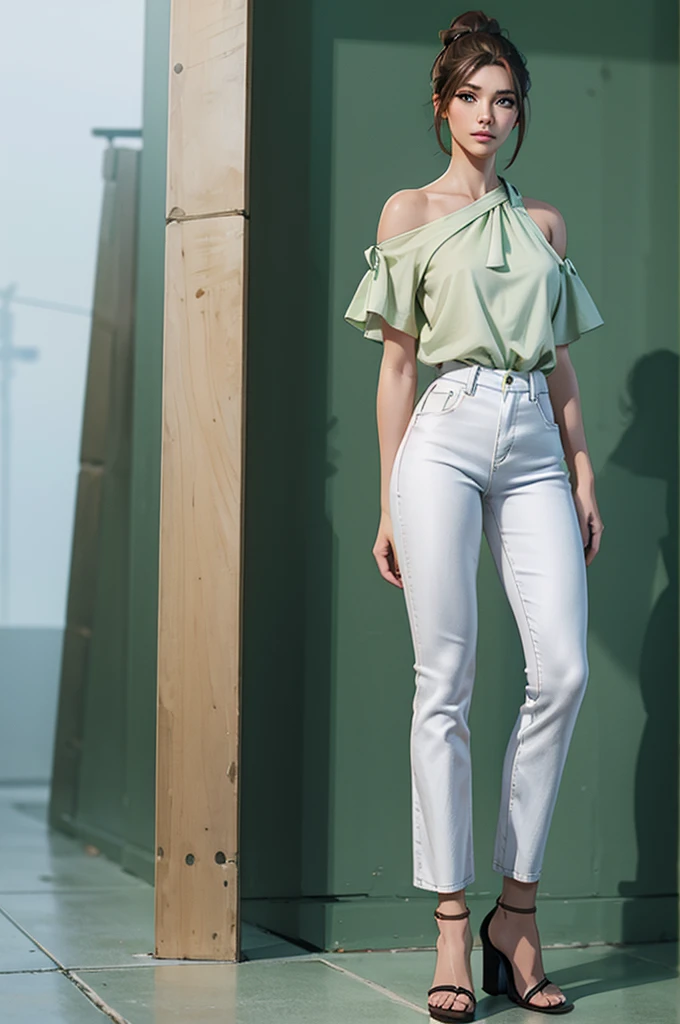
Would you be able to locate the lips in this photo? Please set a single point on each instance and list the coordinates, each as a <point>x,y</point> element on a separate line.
<point>483,135</point>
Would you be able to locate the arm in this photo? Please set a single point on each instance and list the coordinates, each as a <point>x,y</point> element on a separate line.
<point>566,402</point>
<point>395,399</point>
<point>397,385</point>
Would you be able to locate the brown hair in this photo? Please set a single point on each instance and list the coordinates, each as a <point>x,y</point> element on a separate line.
<point>473,41</point>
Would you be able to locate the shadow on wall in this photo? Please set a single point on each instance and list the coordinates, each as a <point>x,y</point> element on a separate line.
<point>635,618</point>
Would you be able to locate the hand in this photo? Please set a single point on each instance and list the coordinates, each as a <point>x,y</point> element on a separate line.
<point>385,552</point>
<point>589,520</point>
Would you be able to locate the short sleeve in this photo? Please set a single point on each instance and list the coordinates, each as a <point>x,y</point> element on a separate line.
<point>389,290</point>
<point>575,311</point>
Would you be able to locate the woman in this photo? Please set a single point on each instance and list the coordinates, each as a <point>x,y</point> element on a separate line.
<point>470,277</point>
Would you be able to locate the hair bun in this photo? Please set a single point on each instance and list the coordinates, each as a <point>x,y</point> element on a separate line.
<point>459,28</point>
<point>447,35</point>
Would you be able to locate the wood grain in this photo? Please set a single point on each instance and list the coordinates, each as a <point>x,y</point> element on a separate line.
<point>200,583</point>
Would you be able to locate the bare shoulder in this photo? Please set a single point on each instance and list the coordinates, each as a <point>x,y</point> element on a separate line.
<point>550,221</point>
<point>403,211</point>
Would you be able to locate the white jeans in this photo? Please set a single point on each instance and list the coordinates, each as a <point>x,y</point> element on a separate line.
<point>482,452</point>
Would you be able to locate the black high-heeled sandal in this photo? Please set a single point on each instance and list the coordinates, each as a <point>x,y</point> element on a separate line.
<point>439,1013</point>
<point>498,971</point>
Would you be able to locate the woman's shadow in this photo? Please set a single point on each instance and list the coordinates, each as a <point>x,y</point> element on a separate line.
<point>633,588</point>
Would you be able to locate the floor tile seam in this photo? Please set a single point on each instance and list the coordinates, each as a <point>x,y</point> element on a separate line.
<point>380,989</point>
<point>95,998</point>
<point>294,958</point>
<point>100,968</point>
<point>46,891</point>
<point>32,970</point>
<point>162,962</point>
<point>673,971</point>
<point>32,938</point>
<point>73,978</point>
<point>157,962</point>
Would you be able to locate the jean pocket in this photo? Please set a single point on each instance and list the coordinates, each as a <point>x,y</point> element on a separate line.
<point>545,408</point>
<point>441,400</point>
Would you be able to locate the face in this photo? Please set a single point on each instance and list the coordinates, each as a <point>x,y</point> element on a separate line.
<point>486,103</point>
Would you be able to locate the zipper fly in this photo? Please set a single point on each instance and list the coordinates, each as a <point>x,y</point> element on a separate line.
<point>504,430</point>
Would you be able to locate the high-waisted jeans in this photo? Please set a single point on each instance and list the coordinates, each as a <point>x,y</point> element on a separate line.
<point>482,452</point>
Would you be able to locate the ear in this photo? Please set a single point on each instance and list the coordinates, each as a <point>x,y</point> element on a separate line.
<point>436,104</point>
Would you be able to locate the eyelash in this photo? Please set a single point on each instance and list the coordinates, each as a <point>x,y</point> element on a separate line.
<point>508,98</point>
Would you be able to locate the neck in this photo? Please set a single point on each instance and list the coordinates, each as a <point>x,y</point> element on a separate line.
<point>470,181</point>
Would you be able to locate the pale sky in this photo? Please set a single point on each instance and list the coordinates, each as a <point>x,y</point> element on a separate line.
<point>66,68</point>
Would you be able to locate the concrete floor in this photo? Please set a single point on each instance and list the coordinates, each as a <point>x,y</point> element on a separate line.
<point>76,935</point>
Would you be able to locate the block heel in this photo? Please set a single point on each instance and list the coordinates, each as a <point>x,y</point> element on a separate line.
<point>494,978</point>
<point>497,971</point>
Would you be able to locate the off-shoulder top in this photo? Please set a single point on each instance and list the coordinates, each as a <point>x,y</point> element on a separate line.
<point>481,285</point>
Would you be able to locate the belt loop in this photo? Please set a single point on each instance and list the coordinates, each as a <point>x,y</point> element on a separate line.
<point>472,379</point>
<point>532,386</point>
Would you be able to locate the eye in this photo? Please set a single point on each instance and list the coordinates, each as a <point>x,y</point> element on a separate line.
<point>509,100</point>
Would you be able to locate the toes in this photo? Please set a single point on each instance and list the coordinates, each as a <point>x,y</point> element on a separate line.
<point>450,1001</point>
<point>547,1000</point>
<point>541,999</point>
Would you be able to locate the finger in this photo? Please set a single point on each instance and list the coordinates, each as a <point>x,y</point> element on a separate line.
<point>388,575</point>
<point>593,549</point>
<point>394,563</point>
<point>386,556</point>
<point>585,533</point>
<point>386,570</point>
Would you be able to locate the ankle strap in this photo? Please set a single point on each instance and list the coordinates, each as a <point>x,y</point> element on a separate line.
<point>452,917</point>
<point>516,910</point>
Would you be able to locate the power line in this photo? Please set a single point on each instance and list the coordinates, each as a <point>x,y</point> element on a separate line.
<point>60,307</point>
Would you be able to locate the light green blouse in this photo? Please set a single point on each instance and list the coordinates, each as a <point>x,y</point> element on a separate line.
<point>481,284</point>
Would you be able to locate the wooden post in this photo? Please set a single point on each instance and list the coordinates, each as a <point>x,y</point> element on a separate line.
<point>200,587</point>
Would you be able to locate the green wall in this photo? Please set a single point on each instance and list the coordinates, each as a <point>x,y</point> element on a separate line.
<point>341,118</point>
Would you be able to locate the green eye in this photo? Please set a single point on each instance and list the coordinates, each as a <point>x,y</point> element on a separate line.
<point>503,99</point>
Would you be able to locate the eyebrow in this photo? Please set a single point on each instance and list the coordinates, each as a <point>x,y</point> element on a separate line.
<point>471,85</point>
